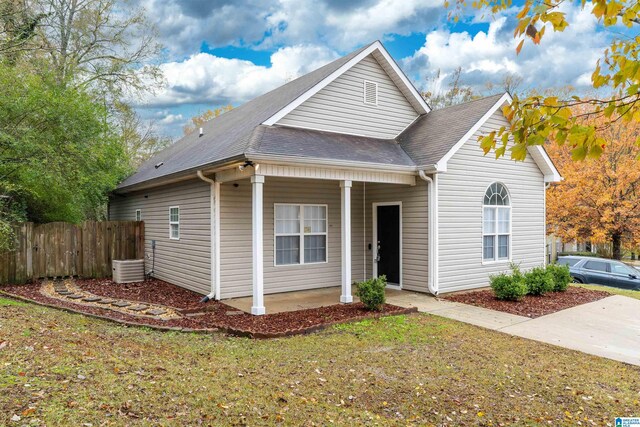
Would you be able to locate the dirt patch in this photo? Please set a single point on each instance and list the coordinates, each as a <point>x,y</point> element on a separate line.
<point>530,306</point>
<point>197,316</point>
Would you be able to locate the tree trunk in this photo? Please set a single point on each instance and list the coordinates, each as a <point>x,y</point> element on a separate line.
<point>616,241</point>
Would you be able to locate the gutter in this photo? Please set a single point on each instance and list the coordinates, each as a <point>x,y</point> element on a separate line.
<point>215,237</point>
<point>432,282</point>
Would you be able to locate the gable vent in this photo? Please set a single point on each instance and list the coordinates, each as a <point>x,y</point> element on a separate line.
<point>370,93</point>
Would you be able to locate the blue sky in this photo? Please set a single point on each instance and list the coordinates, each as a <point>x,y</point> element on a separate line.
<point>219,52</point>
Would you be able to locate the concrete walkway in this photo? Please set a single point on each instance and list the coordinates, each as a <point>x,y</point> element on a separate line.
<point>607,328</point>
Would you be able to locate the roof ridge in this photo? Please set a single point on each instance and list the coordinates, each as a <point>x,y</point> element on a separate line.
<point>482,98</point>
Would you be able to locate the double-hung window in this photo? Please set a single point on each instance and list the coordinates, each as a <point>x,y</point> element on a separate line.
<point>300,234</point>
<point>138,214</point>
<point>174,223</point>
<point>496,227</point>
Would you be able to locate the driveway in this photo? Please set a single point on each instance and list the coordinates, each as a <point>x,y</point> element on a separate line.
<point>608,328</point>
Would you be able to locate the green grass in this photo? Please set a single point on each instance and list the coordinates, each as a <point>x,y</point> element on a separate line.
<point>6,302</point>
<point>405,370</point>
<point>615,291</point>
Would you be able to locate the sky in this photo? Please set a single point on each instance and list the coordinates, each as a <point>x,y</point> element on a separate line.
<point>219,52</point>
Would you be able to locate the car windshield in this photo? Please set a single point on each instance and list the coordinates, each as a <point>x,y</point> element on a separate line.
<point>620,268</point>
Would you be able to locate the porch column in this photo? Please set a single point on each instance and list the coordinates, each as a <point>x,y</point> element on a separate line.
<point>345,190</point>
<point>257,182</point>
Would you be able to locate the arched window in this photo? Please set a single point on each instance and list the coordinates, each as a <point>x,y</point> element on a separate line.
<point>496,224</point>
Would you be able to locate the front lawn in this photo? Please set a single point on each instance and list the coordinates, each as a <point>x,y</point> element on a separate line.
<point>65,369</point>
<point>615,291</point>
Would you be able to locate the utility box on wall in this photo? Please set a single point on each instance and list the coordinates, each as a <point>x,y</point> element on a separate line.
<point>128,271</point>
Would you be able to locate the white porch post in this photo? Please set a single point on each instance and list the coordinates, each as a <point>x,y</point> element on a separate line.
<point>257,182</point>
<point>345,190</point>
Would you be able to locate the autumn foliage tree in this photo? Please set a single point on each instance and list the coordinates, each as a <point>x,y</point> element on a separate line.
<point>201,119</point>
<point>599,199</point>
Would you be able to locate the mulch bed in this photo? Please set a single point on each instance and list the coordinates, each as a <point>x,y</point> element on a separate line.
<point>201,317</point>
<point>530,306</point>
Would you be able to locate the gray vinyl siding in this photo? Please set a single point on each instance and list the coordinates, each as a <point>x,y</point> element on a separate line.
<point>236,243</point>
<point>461,190</point>
<point>340,107</point>
<point>184,262</point>
<point>415,230</point>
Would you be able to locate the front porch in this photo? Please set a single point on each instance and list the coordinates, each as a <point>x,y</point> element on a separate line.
<point>302,231</point>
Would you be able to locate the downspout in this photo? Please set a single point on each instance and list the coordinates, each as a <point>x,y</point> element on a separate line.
<point>213,199</point>
<point>432,282</point>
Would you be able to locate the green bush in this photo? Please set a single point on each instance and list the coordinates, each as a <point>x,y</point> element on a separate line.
<point>561,276</point>
<point>538,281</point>
<point>371,292</point>
<point>509,287</point>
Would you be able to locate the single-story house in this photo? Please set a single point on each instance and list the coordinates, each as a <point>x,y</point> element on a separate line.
<point>342,174</point>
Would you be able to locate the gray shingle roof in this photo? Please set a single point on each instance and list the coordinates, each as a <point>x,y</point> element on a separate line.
<point>278,140</point>
<point>239,132</point>
<point>430,137</point>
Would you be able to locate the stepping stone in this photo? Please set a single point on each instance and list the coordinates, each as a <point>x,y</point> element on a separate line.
<point>106,301</point>
<point>91,299</point>
<point>121,304</point>
<point>234,313</point>
<point>139,307</point>
<point>64,292</point>
<point>156,312</point>
<point>75,296</point>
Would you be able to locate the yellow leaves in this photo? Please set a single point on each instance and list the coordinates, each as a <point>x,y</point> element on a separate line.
<point>519,47</point>
<point>487,142</point>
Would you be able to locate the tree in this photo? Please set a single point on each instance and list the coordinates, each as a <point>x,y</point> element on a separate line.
<point>457,93</point>
<point>104,45</point>
<point>139,139</point>
<point>199,120</point>
<point>599,199</point>
<point>535,118</point>
<point>17,28</point>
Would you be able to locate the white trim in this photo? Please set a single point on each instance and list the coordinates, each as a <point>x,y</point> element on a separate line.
<point>138,214</point>
<point>257,210</point>
<point>545,164</point>
<point>331,77</point>
<point>330,163</point>
<point>216,232</point>
<point>436,233</point>
<point>374,246</point>
<point>301,234</point>
<point>364,92</point>
<point>174,223</point>
<point>345,237</point>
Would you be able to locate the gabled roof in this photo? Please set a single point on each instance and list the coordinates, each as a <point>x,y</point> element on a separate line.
<point>249,130</point>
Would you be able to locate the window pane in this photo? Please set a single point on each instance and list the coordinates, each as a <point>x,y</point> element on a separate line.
<point>315,248</point>
<point>287,219</point>
<point>315,219</point>
<point>488,244</point>
<point>596,265</point>
<point>175,231</point>
<point>174,214</point>
<point>503,220</point>
<point>489,221</point>
<point>287,250</point>
<point>503,247</point>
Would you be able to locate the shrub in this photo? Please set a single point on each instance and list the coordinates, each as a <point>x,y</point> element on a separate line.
<point>509,287</point>
<point>578,253</point>
<point>538,281</point>
<point>561,276</point>
<point>371,292</point>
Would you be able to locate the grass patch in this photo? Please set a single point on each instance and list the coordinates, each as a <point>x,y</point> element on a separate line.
<point>401,370</point>
<point>614,291</point>
<point>7,302</point>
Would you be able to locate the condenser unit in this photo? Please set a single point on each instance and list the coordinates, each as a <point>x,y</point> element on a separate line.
<point>128,271</point>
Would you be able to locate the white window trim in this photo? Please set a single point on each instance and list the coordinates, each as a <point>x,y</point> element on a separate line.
<point>174,223</point>
<point>364,92</point>
<point>300,234</point>
<point>138,214</point>
<point>495,259</point>
<point>374,246</point>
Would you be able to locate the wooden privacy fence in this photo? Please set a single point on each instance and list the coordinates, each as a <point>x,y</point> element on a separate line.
<point>59,249</point>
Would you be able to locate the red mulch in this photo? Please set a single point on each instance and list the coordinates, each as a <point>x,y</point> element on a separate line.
<point>214,315</point>
<point>530,306</point>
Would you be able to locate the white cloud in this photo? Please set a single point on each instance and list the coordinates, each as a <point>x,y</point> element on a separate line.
<point>207,79</point>
<point>560,59</point>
